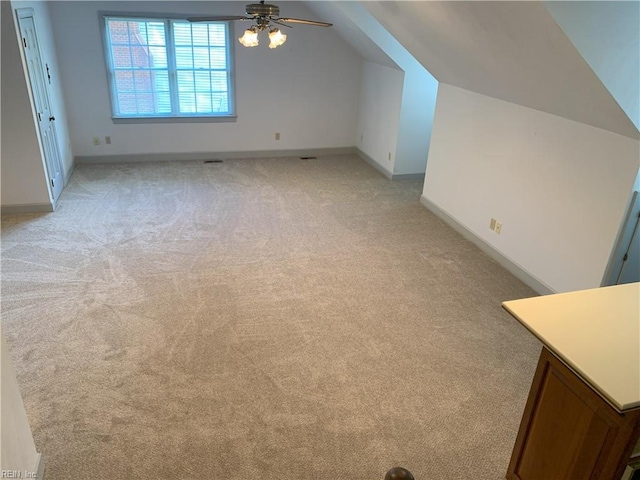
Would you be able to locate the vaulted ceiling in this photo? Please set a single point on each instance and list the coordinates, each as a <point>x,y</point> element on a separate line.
<point>513,51</point>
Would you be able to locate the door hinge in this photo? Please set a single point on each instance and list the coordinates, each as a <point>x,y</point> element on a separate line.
<point>24,41</point>
<point>624,259</point>
<point>53,184</point>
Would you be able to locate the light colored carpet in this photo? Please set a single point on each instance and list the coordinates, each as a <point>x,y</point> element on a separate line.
<point>260,319</point>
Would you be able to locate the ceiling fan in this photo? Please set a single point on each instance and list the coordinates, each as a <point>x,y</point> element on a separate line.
<point>263,14</point>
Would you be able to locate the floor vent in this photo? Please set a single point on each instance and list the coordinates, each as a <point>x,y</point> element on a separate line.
<point>213,161</point>
<point>308,158</point>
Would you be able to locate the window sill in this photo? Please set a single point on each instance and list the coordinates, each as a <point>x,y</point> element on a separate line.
<point>194,119</point>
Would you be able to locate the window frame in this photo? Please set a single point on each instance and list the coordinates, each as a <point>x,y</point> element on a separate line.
<point>176,117</point>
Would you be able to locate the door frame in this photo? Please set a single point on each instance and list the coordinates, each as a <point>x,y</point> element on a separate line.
<point>49,164</point>
<point>623,240</point>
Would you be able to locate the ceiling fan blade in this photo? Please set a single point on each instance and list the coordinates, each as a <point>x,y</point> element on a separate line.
<point>279,23</point>
<point>306,22</point>
<point>218,18</point>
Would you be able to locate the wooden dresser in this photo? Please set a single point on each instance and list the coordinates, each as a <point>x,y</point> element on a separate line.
<point>582,417</point>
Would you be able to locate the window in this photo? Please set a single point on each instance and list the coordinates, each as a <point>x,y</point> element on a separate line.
<point>165,68</point>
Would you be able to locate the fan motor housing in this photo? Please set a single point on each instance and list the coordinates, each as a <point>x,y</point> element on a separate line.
<point>263,10</point>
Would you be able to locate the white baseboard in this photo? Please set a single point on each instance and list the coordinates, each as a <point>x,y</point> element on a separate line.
<point>407,176</point>
<point>387,173</point>
<point>374,164</point>
<point>180,157</point>
<point>67,177</point>
<point>518,271</point>
<point>27,208</point>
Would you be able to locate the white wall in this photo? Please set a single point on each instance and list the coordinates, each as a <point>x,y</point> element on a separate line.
<point>607,35</point>
<point>418,95</point>
<point>307,89</point>
<point>24,179</point>
<point>17,448</point>
<point>379,113</point>
<point>416,121</point>
<point>417,102</point>
<point>559,187</point>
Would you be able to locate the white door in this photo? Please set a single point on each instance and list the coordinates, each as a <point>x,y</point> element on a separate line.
<point>40,92</point>
<point>625,262</point>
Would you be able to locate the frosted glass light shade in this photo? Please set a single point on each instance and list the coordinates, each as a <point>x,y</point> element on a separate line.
<point>276,38</point>
<point>250,38</point>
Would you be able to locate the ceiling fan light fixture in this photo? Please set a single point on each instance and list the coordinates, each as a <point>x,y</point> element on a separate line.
<point>276,38</point>
<point>250,37</point>
<point>263,15</point>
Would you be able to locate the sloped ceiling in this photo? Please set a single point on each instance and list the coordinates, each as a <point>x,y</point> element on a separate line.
<point>350,31</point>
<point>513,51</point>
<point>607,35</point>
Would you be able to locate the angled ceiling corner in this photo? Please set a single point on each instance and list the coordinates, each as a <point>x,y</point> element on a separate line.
<point>607,35</point>
<point>350,31</point>
<point>514,51</point>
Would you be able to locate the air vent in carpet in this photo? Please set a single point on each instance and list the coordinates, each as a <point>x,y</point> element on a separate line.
<point>308,158</point>
<point>213,161</point>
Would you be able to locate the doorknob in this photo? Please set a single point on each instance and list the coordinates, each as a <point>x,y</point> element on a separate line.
<point>399,473</point>
<point>51,119</point>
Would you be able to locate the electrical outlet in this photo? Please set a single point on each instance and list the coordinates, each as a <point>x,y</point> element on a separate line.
<point>96,141</point>
<point>492,224</point>
<point>277,136</point>
<point>107,140</point>
<point>498,227</point>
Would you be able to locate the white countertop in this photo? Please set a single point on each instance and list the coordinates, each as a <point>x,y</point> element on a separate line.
<point>595,332</point>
